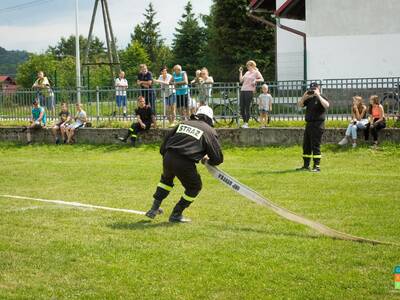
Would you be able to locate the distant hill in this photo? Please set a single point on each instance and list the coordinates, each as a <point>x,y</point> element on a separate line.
<point>9,60</point>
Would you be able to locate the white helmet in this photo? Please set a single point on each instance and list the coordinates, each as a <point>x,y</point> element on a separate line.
<point>205,110</point>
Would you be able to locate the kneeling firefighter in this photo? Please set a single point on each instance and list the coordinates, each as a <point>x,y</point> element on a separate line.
<point>183,147</point>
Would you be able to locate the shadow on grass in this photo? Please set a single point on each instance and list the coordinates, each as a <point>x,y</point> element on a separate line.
<point>140,225</point>
<point>276,172</point>
<point>147,224</point>
<point>269,232</point>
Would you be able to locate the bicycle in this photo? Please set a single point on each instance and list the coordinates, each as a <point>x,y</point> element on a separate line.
<point>391,101</point>
<point>225,109</point>
<point>225,112</point>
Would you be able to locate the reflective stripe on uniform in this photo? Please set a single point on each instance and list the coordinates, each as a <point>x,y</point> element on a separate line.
<point>188,198</point>
<point>164,186</point>
<point>312,156</point>
<point>133,135</point>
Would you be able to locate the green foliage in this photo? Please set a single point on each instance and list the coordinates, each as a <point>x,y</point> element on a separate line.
<point>27,71</point>
<point>9,60</point>
<point>131,57</point>
<point>148,35</point>
<point>66,47</point>
<point>234,39</point>
<point>189,42</point>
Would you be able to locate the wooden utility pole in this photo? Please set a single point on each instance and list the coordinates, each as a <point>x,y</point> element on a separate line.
<point>113,58</point>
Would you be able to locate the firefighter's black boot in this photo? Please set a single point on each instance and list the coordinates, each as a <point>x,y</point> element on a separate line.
<point>155,209</point>
<point>316,167</point>
<point>176,215</point>
<point>306,165</point>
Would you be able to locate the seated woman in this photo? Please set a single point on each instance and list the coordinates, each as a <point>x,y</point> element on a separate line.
<point>80,121</point>
<point>376,119</point>
<point>359,121</point>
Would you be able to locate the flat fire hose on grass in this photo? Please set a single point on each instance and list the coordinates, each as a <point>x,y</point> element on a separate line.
<point>247,192</point>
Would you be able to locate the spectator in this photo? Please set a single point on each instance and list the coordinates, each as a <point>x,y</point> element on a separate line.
<point>359,121</point>
<point>145,81</point>
<point>38,120</point>
<point>168,93</point>
<point>62,124</point>
<point>196,80</point>
<point>145,117</point>
<point>376,119</point>
<point>249,81</point>
<point>80,120</point>
<point>180,80</point>
<point>121,84</point>
<point>316,105</point>
<point>205,88</point>
<point>264,102</point>
<point>43,90</point>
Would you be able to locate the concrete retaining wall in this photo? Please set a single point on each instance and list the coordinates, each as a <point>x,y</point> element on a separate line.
<point>237,137</point>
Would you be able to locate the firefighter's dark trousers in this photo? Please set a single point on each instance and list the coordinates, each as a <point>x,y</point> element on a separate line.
<point>175,165</point>
<point>312,142</point>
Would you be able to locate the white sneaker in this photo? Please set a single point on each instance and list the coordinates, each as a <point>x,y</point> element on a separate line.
<point>354,145</point>
<point>245,125</point>
<point>343,141</point>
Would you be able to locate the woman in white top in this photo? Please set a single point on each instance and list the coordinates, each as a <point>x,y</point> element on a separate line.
<point>359,121</point>
<point>43,90</point>
<point>206,82</point>
<point>168,93</point>
<point>249,82</point>
<point>80,121</point>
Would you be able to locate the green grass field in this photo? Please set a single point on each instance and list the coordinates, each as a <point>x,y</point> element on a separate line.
<point>233,249</point>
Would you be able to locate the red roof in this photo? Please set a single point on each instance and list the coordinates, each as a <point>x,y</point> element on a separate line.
<point>269,5</point>
<point>4,78</point>
<point>291,9</point>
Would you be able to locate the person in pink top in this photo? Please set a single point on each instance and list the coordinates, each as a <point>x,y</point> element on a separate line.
<point>376,119</point>
<point>249,82</point>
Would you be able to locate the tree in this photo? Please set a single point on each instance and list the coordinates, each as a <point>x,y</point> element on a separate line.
<point>189,41</point>
<point>234,39</point>
<point>9,60</point>
<point>27,71</point>
<point>131,58</point>
<point>148,35</point>
<point>66,47</point>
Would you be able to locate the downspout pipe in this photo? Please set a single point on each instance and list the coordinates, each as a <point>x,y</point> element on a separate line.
<point>284,27</point>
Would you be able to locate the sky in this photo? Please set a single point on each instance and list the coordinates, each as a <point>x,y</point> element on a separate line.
<point>35,24</point>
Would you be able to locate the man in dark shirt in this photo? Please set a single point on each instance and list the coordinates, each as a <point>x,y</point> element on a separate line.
<point>145,81</point>
<point>145,117</point>
<point>315,105</point>
<point>183,147</point>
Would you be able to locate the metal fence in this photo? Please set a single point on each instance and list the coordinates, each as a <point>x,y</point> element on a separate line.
<point>100,103</point>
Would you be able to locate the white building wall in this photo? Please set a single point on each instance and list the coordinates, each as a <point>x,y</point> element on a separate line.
<point>358,38</point>
<point>289,50</point>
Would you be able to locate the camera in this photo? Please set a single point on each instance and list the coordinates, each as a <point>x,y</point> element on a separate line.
<point>311,91</point>
<point>313,87</point>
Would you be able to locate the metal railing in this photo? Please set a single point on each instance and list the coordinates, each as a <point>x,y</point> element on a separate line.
<point>100,103</point>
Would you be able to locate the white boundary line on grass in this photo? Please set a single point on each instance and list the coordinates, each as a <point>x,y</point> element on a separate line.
<point>77,204</point>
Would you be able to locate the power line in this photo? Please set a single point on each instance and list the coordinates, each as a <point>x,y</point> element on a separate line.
<point>23,5</point>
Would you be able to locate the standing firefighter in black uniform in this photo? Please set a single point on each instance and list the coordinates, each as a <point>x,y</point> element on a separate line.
<point>316,105</point>
<point>187,144</point>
